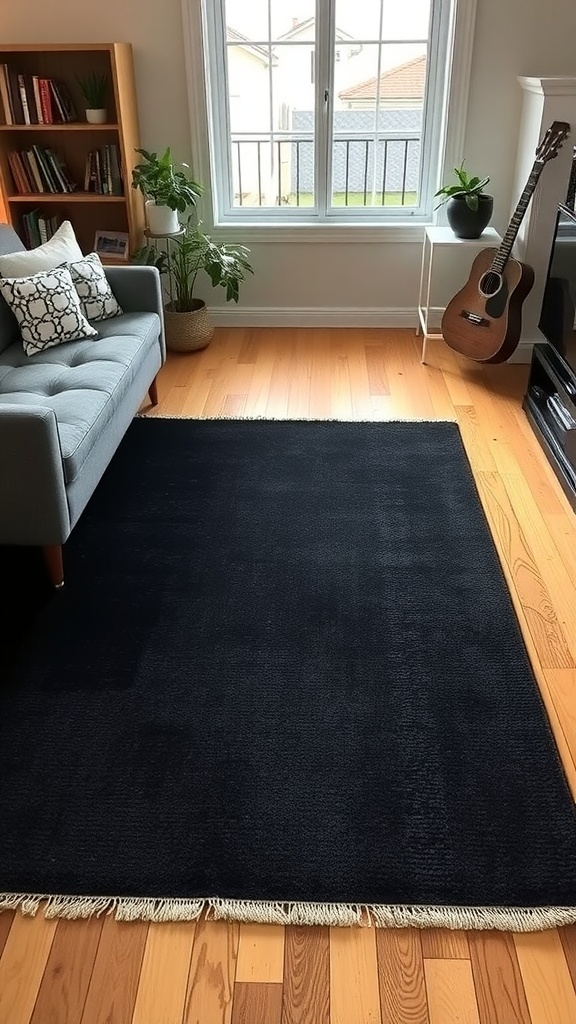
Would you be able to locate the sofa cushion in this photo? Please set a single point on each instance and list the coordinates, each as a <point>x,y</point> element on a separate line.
<point>83,382</point>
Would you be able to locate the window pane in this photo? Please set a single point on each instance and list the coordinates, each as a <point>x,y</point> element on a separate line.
<point>273,172</point>
<point>251,19</point>
<point>249,90</point>
<point>293,91</point>
<point>359,19</point>
<point>406,20</point>
<point>377,129</point>
<point>272,123</point>
<point>294,22</point>
<point>355,77</point>
<point>401,19</point>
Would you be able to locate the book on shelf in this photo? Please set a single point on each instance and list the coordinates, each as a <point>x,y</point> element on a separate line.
<point>5,94</point>
<point>61,171</point>
<point>38,170</point>
<point>63,100</point>
<point>29,99</point>
<point>49,170</point>
<point>19,173</point>
<point>14,97</point>
<point>34,165</point>
<point>38,228</point>
<point>46,100</point>
<point>38,98</point>
<point>103,171</point>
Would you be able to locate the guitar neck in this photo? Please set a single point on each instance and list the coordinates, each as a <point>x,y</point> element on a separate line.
<point>503,254</point>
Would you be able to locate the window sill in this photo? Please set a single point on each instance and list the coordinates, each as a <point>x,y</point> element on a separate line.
<point>363,234</point>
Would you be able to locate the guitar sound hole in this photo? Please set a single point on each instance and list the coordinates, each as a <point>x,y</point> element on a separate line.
<point>490,283</point>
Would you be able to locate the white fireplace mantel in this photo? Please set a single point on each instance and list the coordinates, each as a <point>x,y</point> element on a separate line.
<point>545,100</point>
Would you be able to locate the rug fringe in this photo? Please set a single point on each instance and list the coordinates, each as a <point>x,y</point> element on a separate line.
<point>127,908</point>
<point>264,912</point>
<point>289,419</point>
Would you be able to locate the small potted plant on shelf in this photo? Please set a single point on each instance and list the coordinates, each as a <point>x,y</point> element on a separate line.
<point>167,189</point>
<point>187,321</point>
<point>468,208</point>
<point>94,89</point>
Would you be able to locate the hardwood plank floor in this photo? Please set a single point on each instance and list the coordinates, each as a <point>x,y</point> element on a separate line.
<point>58,972</point>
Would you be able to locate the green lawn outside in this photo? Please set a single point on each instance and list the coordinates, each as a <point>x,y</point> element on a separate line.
<point>357,199</point>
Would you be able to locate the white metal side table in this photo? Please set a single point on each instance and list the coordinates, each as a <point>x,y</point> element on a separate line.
<point>436,237</point>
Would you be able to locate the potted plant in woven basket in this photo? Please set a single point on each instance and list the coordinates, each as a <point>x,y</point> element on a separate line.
<point>187,320</point>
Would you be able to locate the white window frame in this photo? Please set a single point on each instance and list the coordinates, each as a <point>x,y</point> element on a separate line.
<point>210,138</point>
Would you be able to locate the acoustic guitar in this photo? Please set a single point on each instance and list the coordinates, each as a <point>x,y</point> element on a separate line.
<point>484,320</point>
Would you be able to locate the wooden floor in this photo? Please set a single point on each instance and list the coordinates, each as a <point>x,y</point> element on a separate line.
<point>102,972</point>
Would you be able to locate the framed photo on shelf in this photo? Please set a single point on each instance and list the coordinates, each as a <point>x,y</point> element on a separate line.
<point>112,245</point>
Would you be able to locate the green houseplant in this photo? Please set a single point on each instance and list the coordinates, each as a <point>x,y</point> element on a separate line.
<point>167,189</point>
<point>468,208</point>
<point>187,321</point>
<point>94,88</point>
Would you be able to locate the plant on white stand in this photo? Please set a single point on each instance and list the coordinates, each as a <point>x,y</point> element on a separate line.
<point>167,190</point>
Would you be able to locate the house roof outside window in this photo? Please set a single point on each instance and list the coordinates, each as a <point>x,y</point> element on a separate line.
<point>405,82</point>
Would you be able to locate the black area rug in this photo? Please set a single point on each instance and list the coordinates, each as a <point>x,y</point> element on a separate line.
<point>284,669</point>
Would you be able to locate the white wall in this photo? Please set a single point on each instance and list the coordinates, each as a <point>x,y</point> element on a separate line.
<point>513,37</point>
<point>154,27</point>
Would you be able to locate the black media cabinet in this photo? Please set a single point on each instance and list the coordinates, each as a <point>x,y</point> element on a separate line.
<point>550,405</point>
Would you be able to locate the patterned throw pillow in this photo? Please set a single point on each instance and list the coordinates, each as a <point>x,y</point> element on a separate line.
<point>96,296</point>
<point>47,309</point>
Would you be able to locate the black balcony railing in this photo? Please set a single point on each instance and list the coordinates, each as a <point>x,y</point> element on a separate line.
<point>366,172</point>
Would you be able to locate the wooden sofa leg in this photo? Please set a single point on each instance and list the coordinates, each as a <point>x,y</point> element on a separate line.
<point>54,563</point>
<point>153,392</point>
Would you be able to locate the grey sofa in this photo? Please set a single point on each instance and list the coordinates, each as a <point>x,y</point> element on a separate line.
<point>63,412</point>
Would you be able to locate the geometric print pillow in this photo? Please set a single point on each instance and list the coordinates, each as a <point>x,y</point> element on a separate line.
<point>47,309</point>
<point>96,296</point>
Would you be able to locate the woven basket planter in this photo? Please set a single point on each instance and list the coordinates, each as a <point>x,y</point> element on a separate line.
<point>188,332</point>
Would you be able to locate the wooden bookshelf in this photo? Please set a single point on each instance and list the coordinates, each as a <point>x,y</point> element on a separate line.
<point>89,212</point>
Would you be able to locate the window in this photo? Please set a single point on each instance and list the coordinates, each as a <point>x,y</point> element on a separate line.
<point>326,110</point>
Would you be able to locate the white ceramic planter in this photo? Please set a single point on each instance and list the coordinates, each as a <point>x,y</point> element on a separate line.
<point>161,219</point>
<point>96,115</point>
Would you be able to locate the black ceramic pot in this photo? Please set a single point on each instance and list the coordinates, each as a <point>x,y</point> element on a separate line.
<point>467,223</point>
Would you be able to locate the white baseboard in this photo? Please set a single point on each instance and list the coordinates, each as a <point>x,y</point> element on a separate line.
<point>330,316</point>
<point>289,316</point>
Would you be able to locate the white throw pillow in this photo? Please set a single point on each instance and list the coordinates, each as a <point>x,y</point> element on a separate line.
<point>97,299</point>
<point>47,309</point>
<point>62,248</point>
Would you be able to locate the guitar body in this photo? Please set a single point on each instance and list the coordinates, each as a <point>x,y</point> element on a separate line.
<point>487,327</point>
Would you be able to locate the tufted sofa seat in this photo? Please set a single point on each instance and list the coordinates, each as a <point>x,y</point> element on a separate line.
<point>64,411</point>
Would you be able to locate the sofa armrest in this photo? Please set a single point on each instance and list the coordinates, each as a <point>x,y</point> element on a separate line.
<point>33,502</point>
<point>139,290</point>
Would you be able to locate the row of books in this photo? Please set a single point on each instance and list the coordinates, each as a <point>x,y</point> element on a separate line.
<point>103,171</point>
<point>28,99</point>
<point>37,228</point>
<point>40,169</point>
